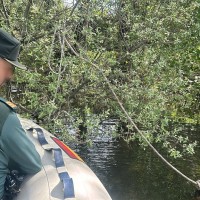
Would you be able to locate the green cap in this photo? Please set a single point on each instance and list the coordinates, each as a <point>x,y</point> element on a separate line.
<point>9,49</point>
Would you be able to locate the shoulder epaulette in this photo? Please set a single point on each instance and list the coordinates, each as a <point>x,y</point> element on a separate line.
<point>9,104</point>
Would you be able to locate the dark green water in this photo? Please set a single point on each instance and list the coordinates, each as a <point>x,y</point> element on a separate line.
<point>130,173</point>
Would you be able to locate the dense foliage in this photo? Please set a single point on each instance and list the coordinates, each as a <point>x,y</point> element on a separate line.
<point>149,50</point>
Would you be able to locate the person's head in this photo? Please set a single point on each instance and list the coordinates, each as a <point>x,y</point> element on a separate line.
<point>9,52</point>
<point>6,71</point>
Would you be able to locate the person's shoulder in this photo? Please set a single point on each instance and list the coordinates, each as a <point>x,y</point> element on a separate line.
<point>7,105</point>
<point>6,109</point>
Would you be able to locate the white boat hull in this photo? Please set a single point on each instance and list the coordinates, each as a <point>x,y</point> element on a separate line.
<point>46,184</point>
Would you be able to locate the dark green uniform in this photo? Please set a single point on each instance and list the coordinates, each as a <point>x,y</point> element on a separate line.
<point>16,149</point>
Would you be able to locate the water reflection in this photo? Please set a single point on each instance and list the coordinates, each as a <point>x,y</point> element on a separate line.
<point>130,173</point>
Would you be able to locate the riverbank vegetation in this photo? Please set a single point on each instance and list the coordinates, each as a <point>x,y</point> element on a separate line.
<point>148,50</point>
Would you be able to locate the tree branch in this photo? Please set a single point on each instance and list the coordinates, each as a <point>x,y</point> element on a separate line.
<point>5,13</point>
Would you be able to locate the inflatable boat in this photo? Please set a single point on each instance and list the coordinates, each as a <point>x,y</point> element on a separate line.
<point>64,175</point>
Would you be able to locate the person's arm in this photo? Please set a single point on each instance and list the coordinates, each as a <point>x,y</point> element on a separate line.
<point>18,147</point>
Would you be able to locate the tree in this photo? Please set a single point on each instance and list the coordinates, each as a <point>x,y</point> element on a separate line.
<point>149,51</point>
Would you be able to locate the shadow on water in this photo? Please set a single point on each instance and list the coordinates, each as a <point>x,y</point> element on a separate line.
<point>130,173</point>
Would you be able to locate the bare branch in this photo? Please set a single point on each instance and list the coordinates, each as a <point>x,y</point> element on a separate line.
<point>76,4</point>
<point>26,13</point>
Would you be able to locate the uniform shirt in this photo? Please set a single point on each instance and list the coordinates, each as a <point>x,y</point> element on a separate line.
<point>16,149</point>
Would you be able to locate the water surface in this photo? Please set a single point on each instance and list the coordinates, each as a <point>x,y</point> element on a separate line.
<point>130,173</point>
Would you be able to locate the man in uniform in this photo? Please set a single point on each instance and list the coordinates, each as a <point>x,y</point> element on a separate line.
<point>16,150</point>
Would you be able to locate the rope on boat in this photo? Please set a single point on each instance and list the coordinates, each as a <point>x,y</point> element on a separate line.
<point>196,183</point>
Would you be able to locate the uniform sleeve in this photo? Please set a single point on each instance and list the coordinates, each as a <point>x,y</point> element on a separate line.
<point>18,147</point>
